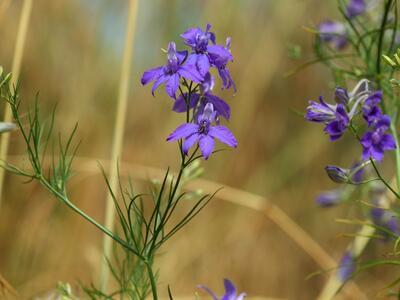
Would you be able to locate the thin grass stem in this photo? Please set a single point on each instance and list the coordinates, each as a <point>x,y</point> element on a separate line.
<point>119,129</point>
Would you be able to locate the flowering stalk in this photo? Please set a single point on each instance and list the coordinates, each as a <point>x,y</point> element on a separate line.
<point>369,112</point>
<point>143,233</point>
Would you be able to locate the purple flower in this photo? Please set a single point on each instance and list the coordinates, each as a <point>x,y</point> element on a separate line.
<point>171,73</point>
<point>329,198</point>
<point>338,126</point>
<point>334,116</point>
<point>377,141</point>
<point>370,109</point>
<point>333,33</point>
<point>203,133</point>
<point>346,266</point>
<point>321,112</point>
<point>198,40</point>
<point>204,55</point>
<point>219,57</point>
<point>356,8</point>
<point>220,106</point>
<point>386,219</point>
<point>230,292</point>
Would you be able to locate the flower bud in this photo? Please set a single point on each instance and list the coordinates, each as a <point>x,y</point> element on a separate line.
<point>341,95</point>
<point>337,174</point>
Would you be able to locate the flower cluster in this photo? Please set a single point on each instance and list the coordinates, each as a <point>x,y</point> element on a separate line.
<point>339,117</point>
<point>190,73</point>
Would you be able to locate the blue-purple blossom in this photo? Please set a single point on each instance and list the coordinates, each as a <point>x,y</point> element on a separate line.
<point>370,108</point>
<point>377,141</point>
<point>333,33</point>
<point>386,219</point>
<point>205,55</point>
<point>329,198</point>
<point>198,40</point>
<point>199,101</point>
<point>338,126</point>
<point>170,74</point>
<point>203,133</point>
<point>346,266</point>
<point>321,112</point>
<point>219,57</point>
<point>335,117</point>
<point>230,292</point>
<point>356,8</point>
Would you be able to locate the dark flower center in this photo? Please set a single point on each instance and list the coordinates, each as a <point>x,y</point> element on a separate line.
<point>201,43</point>
<point>172,66</point>
<point>204,126</point>
<point>377,136</point>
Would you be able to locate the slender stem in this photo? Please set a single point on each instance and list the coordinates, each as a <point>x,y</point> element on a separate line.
<point>152,280</point>
<point>104,229</point>
<point>354,28</point>
<point>383,180</point>
<point>380,43</point>
<point>397,154</point>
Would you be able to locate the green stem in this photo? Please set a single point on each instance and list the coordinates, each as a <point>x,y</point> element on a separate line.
<point>152,280</point>
<point>383,180</point>
<point>397,153</point>
<point>380,43</point>
<point>105,230</point>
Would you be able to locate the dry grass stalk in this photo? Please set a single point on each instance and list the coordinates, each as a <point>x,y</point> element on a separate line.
<point>118,134</point>
<point>16,67</point>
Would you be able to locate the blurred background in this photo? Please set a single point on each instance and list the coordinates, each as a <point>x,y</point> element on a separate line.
<point>73,59</point>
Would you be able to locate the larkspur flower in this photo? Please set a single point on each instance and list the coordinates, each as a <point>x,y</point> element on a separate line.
<point>329,198</point>
<point>333,33</point>
<point>219,57</point>
<point>370,109</point>
<point>321,112</point>
<point>230,292</point>
<point>339,125</point>
<point>199,101</point>
<point>171,73</point>
<point>335,117</point>
<point>346,266</point>
<point>205,55</point>
<point>198,40</point>
<point>203,133</point>
<point>386,219</point>
<point>377,141</point>
<point>356,8</point>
